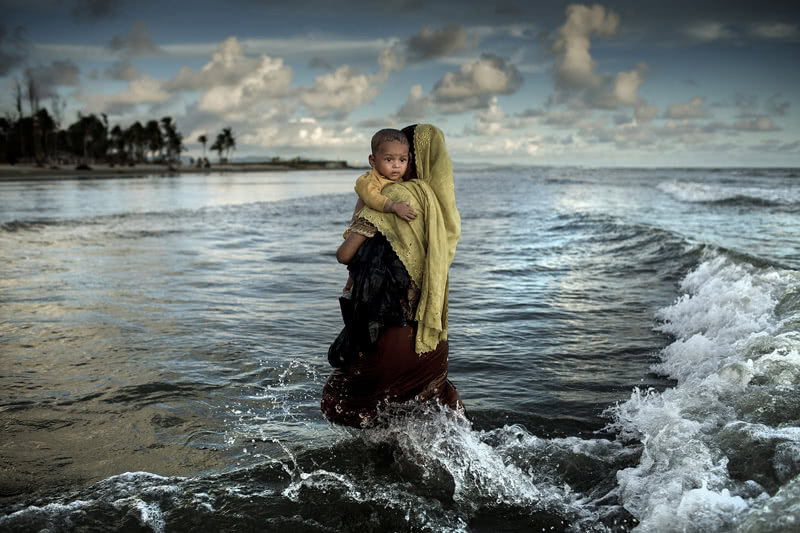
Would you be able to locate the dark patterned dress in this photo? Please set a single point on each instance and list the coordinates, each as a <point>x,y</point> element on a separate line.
<point>373,356</point>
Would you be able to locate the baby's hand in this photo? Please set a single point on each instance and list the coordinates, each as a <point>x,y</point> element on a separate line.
<point>404,211</point>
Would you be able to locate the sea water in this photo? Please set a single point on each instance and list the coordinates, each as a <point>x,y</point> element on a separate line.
<point>626,342</point>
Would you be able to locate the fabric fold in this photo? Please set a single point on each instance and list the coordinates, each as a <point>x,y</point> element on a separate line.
<point>426,246</point>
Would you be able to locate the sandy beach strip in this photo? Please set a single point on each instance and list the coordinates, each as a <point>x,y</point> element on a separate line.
<point>26,172</point>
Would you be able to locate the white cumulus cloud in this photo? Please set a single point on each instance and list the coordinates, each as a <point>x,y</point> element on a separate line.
<point>416,106</point>
<point>528,145</point>
<point>390,60</point>
<point>645,112</point>
<point>339,92</point>
<point>708,31</point>
<point>430,43</point>
<point>235,86</point>
<point>145,90</point>
<point>475,83</point>
<point>579,85</point>
<point>687,110</point>
<point>230,67</point>
<point>122,70</point>
<point>304,134</point>
<point>755,124</point>
<point>489,121</point>
<point>626,86</point>
<point>269,79</point>
<point>576,67</point>
<point>777,31</point>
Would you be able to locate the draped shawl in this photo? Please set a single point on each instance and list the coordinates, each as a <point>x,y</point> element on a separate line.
<point>427,244</point>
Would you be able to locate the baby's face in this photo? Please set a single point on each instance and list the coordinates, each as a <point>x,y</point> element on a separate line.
<point>391,160</point>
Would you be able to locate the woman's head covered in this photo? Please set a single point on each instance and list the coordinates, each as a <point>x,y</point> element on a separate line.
<point>432,163</point>
<point>411,172</point>
<point>426,245</point>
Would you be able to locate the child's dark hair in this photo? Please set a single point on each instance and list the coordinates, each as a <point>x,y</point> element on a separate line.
<point>387,135</point>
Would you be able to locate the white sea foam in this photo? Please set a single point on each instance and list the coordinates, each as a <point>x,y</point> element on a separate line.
<point>45,516</point>
<point>723,305</point>
<point>729,357</point>
<point>478,470</point>
<point>505,466</point>
<point>142,491</point>
<point>150,515</point>
<point>695,192</point>
<point>778,514</point>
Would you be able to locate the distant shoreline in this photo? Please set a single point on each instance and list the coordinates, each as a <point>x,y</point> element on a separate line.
<point>25,172</point>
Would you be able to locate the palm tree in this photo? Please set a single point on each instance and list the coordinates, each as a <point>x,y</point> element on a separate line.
<point>174,139</point>
<point>219,146</point>
<point>89,137</point>
<point>117,142</point>
<point>229,142</point>
<point>58,117</point>
<point>203,140</point>
<point>20,116</point>
<point>46,130</point>
<point>155,140</point>
<point>135,138</point>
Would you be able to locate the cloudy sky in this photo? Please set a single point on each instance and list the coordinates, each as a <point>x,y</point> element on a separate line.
<point>622,82</point>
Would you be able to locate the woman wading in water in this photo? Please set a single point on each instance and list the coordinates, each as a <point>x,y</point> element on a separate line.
<point>393,347</point>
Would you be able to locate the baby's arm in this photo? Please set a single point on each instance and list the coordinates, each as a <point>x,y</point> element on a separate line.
<point>369,189</point>
<point>369,193</point>
<point>403,210</point>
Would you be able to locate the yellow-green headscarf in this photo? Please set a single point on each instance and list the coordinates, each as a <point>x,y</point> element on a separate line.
<point>427,244</point>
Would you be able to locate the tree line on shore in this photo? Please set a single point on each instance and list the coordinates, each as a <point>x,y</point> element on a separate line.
<point>39,138</point>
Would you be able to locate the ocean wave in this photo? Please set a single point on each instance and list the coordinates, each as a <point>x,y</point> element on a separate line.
<point>14,226</point>
<point>133,500</point>
<point>100,221</point>
<point>722,445</point>
<point>427,470</point>
<point>125,226</point>
<point>634,247</point>
<point>715,193</point>
<point>142,224</point>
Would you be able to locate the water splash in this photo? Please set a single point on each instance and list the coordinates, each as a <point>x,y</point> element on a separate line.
<point>712,452</point>
<point>136,499</point>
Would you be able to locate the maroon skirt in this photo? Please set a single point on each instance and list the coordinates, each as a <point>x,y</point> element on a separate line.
<point>391,372</point>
